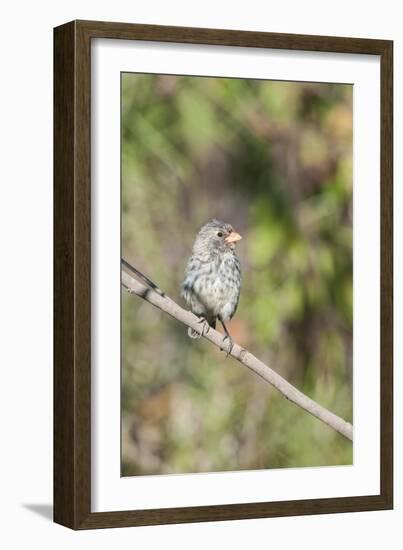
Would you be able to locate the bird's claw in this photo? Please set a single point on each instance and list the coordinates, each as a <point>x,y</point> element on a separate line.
<point>205,328</point>
<point>230,344</point>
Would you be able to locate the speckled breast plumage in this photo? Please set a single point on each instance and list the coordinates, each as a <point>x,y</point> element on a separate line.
<point>212,285</point>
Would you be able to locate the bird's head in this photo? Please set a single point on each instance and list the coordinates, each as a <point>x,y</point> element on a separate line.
<point>216,235</point>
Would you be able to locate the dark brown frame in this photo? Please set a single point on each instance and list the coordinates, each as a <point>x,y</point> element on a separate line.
<point>72,318</point>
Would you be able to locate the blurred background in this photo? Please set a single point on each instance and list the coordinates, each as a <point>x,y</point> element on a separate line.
<point>274,159</point>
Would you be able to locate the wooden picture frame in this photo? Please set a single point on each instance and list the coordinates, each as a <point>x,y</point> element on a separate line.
<point>72,274</point>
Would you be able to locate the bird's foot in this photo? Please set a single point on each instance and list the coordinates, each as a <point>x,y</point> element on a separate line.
<point>202,332</point>
<point>205,326</point>
<point>230,344</point>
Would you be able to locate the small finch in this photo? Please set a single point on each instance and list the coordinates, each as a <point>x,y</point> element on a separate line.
<point>212,281</point>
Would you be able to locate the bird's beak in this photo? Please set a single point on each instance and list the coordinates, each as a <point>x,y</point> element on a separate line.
<point>233,237</point>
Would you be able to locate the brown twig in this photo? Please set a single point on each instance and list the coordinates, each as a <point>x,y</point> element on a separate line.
<point>168,305</point>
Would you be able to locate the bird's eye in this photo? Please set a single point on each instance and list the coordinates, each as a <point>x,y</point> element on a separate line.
<point>219,234</point>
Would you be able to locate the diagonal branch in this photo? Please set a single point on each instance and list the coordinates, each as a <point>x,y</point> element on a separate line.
<point>167,305</point>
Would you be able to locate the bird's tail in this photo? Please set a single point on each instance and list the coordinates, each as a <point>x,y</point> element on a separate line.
<point>195,334</point>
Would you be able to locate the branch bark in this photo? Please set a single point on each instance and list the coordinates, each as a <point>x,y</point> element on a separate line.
<point>166,304</point>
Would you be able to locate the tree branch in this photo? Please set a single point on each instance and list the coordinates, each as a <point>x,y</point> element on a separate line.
<point>167,305</point>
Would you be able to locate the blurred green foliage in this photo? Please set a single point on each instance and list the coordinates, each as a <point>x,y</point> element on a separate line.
<point>274,159</point>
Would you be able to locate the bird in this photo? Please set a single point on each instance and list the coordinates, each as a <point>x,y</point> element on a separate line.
<point>212,282</point>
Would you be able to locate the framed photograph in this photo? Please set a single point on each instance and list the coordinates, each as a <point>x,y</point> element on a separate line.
<point>222,274</point>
